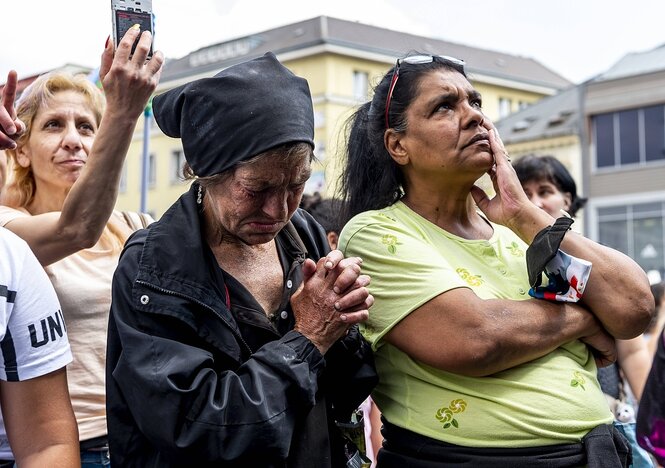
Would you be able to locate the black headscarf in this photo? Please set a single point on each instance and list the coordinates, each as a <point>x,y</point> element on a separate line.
<point>239,113</point>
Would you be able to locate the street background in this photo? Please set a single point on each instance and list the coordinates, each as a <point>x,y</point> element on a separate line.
<point>576,38</point>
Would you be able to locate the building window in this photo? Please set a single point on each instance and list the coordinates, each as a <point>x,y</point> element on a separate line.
<point>177,164</point>
<point>320,151</point>
<point>152,170</point>
<point>629,140</point>
<point>604,137</point>
<point>629,137</point>
<point>654,133</point>
<point>522,105</point>
<point>636,230</point>
<point>315,183</point>
<point>319,119</point>
<point>360,85</point>
<point>505,107</point>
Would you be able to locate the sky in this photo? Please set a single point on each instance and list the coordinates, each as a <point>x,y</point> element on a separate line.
<point>575,38</point>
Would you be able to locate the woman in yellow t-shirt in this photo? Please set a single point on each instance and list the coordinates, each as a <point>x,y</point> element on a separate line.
<point>471,369</point>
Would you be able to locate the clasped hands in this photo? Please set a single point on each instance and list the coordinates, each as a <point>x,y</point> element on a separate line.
<point>332,297</point>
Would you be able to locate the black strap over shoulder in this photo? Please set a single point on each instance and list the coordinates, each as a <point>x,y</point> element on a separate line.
<point>544,247</point>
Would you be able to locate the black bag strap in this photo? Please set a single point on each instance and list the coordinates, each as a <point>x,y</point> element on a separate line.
<point>544,247</point>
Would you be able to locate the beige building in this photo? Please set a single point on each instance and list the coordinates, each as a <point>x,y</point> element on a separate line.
<point>610,132</point>
<point>342,60</point>
<point>624,157</point>
<point>549,127</point>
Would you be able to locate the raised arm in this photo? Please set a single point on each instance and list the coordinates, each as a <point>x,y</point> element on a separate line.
<point>40,422</point>
<point>617,291</point>
<point>128,84</point>
<point>458,332</point>
<point>10,126</point>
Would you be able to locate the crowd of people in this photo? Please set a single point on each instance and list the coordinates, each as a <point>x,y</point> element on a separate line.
<point>414,321</point>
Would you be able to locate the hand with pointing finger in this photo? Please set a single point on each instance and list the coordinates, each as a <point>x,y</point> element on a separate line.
<point>10,126</point>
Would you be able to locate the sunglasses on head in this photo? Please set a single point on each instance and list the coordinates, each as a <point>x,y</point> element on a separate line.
<point>413,60</point>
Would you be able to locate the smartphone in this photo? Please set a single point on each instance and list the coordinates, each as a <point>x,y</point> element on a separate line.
<point>127,13</point>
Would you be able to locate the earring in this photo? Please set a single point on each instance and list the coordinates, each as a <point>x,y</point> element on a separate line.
<point>199,196</point>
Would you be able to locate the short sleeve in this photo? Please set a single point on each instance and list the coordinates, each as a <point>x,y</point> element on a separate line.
<point>35,340</point>
<point>406,270</point>
<point>9,214</point>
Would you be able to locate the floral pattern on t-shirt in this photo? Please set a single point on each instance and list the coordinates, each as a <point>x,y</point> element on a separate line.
<point>578,380</point>
<point>471,280</point>
<point>515,249</point>
<point>391,242</point>
<point>445,414</point>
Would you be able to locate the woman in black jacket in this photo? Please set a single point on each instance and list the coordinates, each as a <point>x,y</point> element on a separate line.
<point>232,338</point>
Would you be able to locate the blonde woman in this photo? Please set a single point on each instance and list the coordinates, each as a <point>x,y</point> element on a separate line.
<point>66,171</point>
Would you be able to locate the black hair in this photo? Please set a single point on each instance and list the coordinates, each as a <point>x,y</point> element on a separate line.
<point>536,168</point>
<point>324,210</point>
<point>371,179</point>
<point>658,290</point>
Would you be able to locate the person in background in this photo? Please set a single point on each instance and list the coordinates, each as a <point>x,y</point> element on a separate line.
<point>327,211</point>
<point>651,413</point>
<point>66,171</point>
<point>658,322</point>
<point>231,337</point>
<point>549,185</point>
<point>10,126</point>
<point>470,369</point>
<point>37,424</point>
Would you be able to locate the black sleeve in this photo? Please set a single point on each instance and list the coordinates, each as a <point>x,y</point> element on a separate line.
<point>162,377</point>
<point>350,374</point>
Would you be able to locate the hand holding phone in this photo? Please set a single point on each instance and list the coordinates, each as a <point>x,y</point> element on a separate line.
<point>127,13</point>
<point>128,82</point>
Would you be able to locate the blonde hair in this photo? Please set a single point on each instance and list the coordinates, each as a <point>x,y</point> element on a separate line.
<point>21,188</point>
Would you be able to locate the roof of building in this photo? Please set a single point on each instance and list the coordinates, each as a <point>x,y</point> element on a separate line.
<point>552,116</point>
<point>635,63</point>
<point>25,81</point>
<point>378,43</point>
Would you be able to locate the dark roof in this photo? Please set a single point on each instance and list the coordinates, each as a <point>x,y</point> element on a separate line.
<point>550,117</point>
<point>384,43</point>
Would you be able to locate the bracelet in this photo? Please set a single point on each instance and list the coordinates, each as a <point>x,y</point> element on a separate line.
<point>544,247</point>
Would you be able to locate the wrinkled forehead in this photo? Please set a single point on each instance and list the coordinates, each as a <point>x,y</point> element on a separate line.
<point>67,101</point>
<point>448,79</point>
<point>540,180</point>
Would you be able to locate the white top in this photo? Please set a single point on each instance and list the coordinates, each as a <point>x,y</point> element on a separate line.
<point>82,282</point>
<point>33,335</point>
